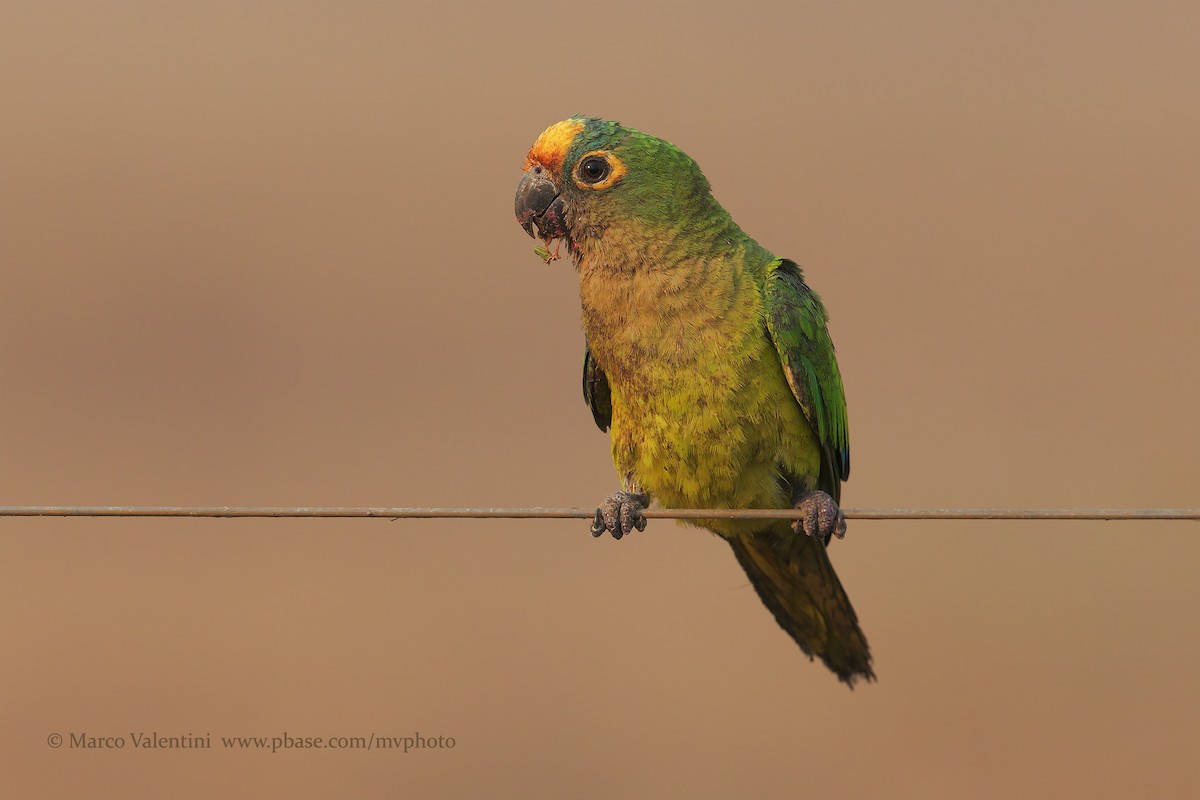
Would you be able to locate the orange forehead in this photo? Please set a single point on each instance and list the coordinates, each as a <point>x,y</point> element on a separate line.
<point>551,147</point>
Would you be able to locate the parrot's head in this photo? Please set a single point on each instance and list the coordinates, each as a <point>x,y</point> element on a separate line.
<point>587,178</point>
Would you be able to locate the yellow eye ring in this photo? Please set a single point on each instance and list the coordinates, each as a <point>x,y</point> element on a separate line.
<point>598,169</point>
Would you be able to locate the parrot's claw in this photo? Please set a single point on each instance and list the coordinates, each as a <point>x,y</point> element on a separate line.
<point>620,513</point>
<point>819,516</point>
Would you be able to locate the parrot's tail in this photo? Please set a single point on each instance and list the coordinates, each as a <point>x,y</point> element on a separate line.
<point>793,576</point>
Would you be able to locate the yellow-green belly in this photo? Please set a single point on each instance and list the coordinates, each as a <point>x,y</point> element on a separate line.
<point>714,438</point>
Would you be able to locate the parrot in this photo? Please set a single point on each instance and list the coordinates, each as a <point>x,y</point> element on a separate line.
<point>708,361</point>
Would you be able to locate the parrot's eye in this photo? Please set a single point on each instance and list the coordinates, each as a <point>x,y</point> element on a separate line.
<point>593,169</point>
<point>598,170</point>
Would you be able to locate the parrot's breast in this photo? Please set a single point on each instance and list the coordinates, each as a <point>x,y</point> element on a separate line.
<point>702,415</point>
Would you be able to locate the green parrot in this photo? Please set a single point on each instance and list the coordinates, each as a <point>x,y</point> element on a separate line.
<point>708,362</point>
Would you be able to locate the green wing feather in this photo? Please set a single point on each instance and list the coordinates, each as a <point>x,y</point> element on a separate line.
<point>596,392</point>
<point>796,321</point>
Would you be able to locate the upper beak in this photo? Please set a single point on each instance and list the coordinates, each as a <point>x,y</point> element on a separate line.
<point>535,193</point>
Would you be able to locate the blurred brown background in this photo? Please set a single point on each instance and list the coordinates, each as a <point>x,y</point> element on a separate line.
<point>264,254</point>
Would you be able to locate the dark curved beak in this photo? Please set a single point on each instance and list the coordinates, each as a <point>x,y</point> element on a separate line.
<point>535,195</point>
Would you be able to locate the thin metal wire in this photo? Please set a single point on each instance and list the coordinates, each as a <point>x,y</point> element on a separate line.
<point>382,512</point>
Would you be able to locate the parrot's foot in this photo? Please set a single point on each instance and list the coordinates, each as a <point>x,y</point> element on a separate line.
<point>620,513</point>
<point>819,516</point>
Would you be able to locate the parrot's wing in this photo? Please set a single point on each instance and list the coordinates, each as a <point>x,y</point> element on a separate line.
<point>796,321</point>
<point>596,392</point>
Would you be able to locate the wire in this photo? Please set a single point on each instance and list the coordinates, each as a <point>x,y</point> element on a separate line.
<point>382,512</point>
